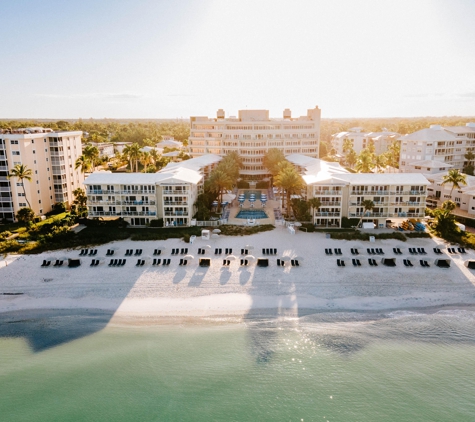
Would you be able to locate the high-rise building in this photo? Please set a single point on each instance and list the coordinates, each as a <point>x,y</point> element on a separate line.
<point>252,134</point>
<point>51,157</point>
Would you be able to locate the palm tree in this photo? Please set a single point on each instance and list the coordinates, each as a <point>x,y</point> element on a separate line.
<point>271,161</point>
<point>470,156</point>
<point>219,181</point>
<point>351,158</point>
<point>289,180</point>
<point>347,146</point>
<point>315,203</point>
<point>82,162</point>
<point>92,154</point>
<point>364,162</point>
<point>132,152</point>
<point>455,178</point>
<point>146,160</point>
<point>22,173</point>
<point>368,205</point>
<point>379,162</point>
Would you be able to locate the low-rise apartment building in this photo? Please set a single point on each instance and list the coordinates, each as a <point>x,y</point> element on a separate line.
<point>341,193</point>
<point>446,144</point>
<point>51,157</point>
<point>140,198</point>
<point>252,134</point>
<point>361,140</point>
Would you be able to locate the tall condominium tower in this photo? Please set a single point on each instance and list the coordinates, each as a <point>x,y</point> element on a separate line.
<point>51,157</point>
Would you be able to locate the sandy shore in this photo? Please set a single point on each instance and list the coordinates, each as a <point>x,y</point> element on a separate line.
<point>318,284</point>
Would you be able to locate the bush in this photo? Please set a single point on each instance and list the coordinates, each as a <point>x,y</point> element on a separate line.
<point>158,222</point>
<point>186,237</point>
<point>230,230</point>
<point>242,184</point>
<point>349,223</point>
<point>262,184</point>
<point>309,226</point>
<point>57,208</point>
<point>418,235</point>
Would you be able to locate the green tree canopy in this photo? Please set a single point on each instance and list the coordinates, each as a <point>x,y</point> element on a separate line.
<point>22,173</point>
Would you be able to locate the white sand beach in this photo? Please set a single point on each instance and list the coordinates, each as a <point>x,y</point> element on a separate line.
<point>317,284</point>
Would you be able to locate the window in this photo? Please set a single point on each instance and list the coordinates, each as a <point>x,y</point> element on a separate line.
<point>22,204</point>
<point>41,211</point>
<point>19,184</point>
<point>14,142</point>
<point>15,152</point>
<point>34,152</point>
<point>21,194</point>
<point>39,201</point>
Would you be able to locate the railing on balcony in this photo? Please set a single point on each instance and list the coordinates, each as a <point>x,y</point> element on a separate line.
<point>175,202</point>
<point>378,204</point>
<point>327,214</point>
<point>137,202</point>
<point>409,192</point>
<point>328,192</point>
<point>175,192</point>
<point>176,213</point>
<point>330,203</point>
<point>137,192</point>
<point>369,192</point>
<point>134,213</point>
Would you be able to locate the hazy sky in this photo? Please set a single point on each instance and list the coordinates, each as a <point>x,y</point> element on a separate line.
<point>167,59</point>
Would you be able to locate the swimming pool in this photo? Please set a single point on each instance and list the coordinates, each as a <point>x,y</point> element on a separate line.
<point>257,214</point>
<point>247,193</point>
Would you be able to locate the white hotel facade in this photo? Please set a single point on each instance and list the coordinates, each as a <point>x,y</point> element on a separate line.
<point>341,193</point>
<point>139,198</point>
<point>252,133</point>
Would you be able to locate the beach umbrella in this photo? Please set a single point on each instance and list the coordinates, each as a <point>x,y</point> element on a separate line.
<point>216,231</point>
<point>214,236</point>
<point>285,258</point>
<point>299,258</point>
<point>249,247</point>
<point>161,248</point>
<point>188,257</point>
<point>207,246</point>
<point>250,257</point>
<point>231,257</point>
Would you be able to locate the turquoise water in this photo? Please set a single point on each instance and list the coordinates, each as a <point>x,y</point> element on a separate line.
<point>340,367</point>
<point>257,214</point>
<point>247,193</point>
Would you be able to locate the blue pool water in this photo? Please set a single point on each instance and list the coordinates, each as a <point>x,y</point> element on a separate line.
<point>252,214</point>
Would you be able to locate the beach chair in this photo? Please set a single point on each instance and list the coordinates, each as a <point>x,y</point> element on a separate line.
<point>154,262</point>
<point>44,263</point>
<point>370,261</point>
<point>369,251</point>
<point>216,251</point>
<point>422,262</point>
<point>263,251</point>
<point>380,251</point>
<point>278,262</point>
<point>396,251</point>
<point>159,261</point>
<point>461,250</point>
<point>405,262</point>
<point>97,263</point>
<point>181,262</point>
<point>138,262</point>
<point>242,261</point>
<point>292,262</point>
<point>399,250</point>
<point>328,252</point>
<point>123,261</point>
<point>275,251</point>
<point>242,251</point>
<point>353,261</point>
<point>127,253</point>
<point>246,262</point>
<point>185,262</point>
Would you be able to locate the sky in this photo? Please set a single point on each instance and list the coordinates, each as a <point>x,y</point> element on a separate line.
<point>181,58</point>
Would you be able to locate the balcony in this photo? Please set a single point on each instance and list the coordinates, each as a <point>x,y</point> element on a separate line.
<point>327,192</point>
<point>175,202</point>
<point>137,192</point>
<point>369,192</point>
<point>377,204</point>
<point>175,192</point>
<point>327,214</point>
<point>176,213</point>
<point>135,213</point>
<point>137,202</point>
<point>330,203</point>
<point>410,192</point>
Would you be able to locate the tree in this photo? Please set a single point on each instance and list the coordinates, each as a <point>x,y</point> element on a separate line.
<point>368,205</point>
<point>364,162</point>
<point>219,181</point>
<point>315,204</point>
<point>80,201</point>
<point>470,156</point>
<point>347,146</point>
<point>91,154</point>
<point>379,162</point>
<point>271,161</point>
<point>290,181</point>
<point>22,173</point>
<point>455,178</point>
<point>25,215</point>
<point>146,160</point>
<point>445,221</point>
<point>351,158</point>
<point>132,152</point>
<point>82,162</point>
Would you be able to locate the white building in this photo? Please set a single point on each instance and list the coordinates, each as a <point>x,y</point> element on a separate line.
<point>361,140</point>
<point>141,197</point>
<point>448,145</point>
<point>252,134</point>
<point>341,193</point>
<point>51,156</point>
<point>105,149</point>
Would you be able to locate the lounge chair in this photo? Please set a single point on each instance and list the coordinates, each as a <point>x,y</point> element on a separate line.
<point>263,251</point>
<point>353,261</point>
<point>424,263</point>
<point>242,261</point>
<point>181,262</point>
<point>340,262</point>
<point>462,250</point>
<point>138,262</point>
<point>328,252</point>
<point>278,262</point>
<point>405,262</point>
<point>369,251</point>
<point>246,262</point>
<point>370,261</point>
<point>292,262</point>
<point>185,262</point>
<point>157,261</point>
<point>396,251</point>
<point>242,251</point>
<point>380,251</point>
<point>44,263</point>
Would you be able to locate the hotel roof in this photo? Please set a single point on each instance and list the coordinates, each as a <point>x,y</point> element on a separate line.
<point>431,134</point>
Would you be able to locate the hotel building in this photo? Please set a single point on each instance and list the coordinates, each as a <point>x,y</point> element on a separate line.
<point>445,144</point>
<point>51,157</point>
<point>252,134</point>
<point>341,193</point>
<point>141,197</point>
<point>361,140</point>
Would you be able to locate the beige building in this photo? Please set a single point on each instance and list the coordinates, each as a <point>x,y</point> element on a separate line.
<point>252,134</point>
<point>361,140</point>
<point>341,193</point>
<point>51,157</point>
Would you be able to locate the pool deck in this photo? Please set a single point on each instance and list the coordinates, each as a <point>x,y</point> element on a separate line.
<point>269,210</point>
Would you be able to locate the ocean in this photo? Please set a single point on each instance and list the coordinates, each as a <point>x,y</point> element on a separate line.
<point>400,366</point>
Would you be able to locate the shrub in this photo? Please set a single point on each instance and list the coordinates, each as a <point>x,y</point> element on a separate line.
<point>158,222</point>
<point>309,226</point>
<point>230,230</point>
<point>418,235</point>
<point>186,237</point>
<point>242,184</point>
<point>349,223</point>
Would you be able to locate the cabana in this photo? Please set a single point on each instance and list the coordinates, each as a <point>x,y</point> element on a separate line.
<point>73,263</point>
<point>205,262</point>
<point>389,262</point>
<point>205,234</point>
<point>262,262</point>
<point>442,263</point>
<point>470,264</point>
